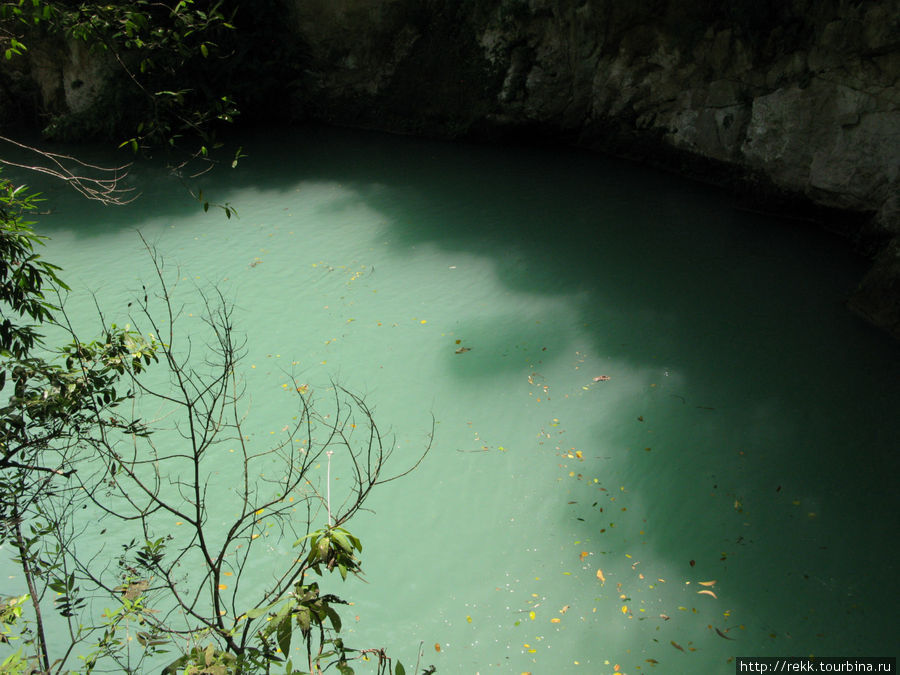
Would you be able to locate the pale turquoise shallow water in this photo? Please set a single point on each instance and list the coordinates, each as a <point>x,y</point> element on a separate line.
<point>748,433</point>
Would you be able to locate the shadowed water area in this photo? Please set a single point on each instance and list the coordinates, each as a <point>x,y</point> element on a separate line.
<point>747,433</point>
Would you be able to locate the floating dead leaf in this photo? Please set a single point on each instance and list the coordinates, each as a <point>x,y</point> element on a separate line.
<point>463,350</point>
<point>641,418</point>
<point>721,634</point>
<point>653,661</point>
<point>601,577</point>
<point>707,583</point>
<point>676,645</point>
<point>583,555</point>
<point>458,341</point>
<point>555,620</point>
<point>693,562</point>
<point>564,609</point>
<point>222,587</point>
<point>437,646</point>
<point>601,378</point>
<point>664,617</point>
<point>707,592</point>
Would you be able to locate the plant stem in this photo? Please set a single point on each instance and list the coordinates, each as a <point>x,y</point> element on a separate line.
<point>32,591</point>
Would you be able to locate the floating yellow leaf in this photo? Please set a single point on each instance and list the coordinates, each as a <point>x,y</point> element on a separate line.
<point>531,615</point>
<point>469,619</point>
<point>624,609</point>
<point>555,620</point>
<point>707,583</point>
<point>601,577</point>
<point>564,609</point>
<point>706,592</point>
<point>583,555</point>
<point>437,647</point>
<point>222,587</point>
<point>676,645</point>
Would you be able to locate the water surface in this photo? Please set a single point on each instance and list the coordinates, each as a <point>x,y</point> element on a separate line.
<point>747,434</point>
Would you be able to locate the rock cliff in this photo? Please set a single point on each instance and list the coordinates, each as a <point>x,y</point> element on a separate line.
<point>793,103</point>
<point>796,103</point>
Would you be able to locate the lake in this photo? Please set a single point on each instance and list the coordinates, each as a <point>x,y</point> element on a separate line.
<point>661,441</point>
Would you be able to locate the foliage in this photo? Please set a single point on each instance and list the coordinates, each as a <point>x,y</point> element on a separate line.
<point>153,49</point>
<point>177,73</point>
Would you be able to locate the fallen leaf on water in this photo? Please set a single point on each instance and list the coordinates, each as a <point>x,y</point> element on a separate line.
<point>676,645</point>
<point>222,587</point>
<point>531,615</point>
<point>708,593</point>
<point>437,647</point>
<point>564,609</point>
<point>641,418</point>
<point>583,555</point>
<point>601,378</point>
<point>463,350</point>
<point>458,341</point>
<point>707,583</point>
<point>721,634</point>
<point>665,617</point>
<point>555,620</point>
<point>693,562</point>
<point>652,661</point>
<point>601,577</point>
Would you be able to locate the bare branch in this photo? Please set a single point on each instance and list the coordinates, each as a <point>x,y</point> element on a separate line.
<point>104,186</point>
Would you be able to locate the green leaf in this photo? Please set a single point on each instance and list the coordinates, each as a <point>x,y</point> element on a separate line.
<point>284,635</point>
<point>334,617</point>
<point>259,611</point>
<point>204,50</point>
<point>399,670</point>
<point>342,540</point>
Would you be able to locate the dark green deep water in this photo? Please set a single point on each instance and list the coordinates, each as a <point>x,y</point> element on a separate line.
<point>748,434</point>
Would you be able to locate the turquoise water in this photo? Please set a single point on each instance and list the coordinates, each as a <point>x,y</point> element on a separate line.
<point>747,434</point>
